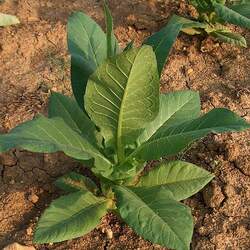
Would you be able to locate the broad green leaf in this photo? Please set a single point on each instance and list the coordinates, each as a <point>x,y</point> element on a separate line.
<point>129,46</point>
<point>112,44</point>
<point>45,135</point>
<point>175,108</point>
<point>156,216</point>
<point>242,9</point>
<point>122,96</point>
<point>231,16</point>
<point>171,140</point>
<point>73,182</point>
<point>70,216</point>
<point>68,109</point>
<point>163,40</point>
<point>88,48</point>
<point>236,2</point>
<point>183,179</point>
<point>229,37</point>
<point>6,20</point>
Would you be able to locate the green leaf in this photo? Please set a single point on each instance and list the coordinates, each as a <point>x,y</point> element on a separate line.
<point>112,44</point>
<point>156,216</point>
<point>6,20</point>
<point>175,108</point>
<point>67,108</point>
<point>229,37</point>
<point>231,16</point>
<point>70,216</point>
<point>129,46</point>
<point>122,96</point>
<point>242,9</point>
<point>88,48</point>
<point>163,40</point>
<point>171,140</point>
<point>73,182</point>
<point>183,179</point>
<point>202,5</point>
<point>45,135</point>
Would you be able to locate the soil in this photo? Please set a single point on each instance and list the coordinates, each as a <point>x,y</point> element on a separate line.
<point>34,61</point>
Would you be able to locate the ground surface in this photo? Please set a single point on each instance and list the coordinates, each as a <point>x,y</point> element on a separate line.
<point>34,60</point>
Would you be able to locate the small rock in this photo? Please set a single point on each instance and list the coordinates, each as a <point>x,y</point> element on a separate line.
<point>29,231</point>
<point>17,246</point>
<point>12,182</point>
<point>203,231</point>
<point>213,195</point>
<point>7,159</point>
<point>109,233</point>
<point>33,198</point>
<point>190,71</point>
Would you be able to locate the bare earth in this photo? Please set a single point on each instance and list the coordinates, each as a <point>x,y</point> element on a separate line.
<point>34,61</point>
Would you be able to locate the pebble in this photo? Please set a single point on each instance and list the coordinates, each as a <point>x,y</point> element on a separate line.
<point>190,71</point>
<point>109,233</point>
<point>29,231</point>
<point>33,198</point>
<point>17,246</point>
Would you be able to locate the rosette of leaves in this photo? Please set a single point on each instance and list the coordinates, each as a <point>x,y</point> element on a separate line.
<point>118,121</point>
<point>213,15</point>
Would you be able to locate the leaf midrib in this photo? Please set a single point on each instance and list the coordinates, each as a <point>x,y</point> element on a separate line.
<point>180,181</point>
<point>120,150</point>
<point>90,152</point>
<point>92,49</point>
<point>171,115</point>
<point>61,223</point>
<point>189,132</point>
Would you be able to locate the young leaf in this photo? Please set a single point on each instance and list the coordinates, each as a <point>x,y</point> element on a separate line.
<point>231,16</point>
<point>122,96</point>
<point>182,179</point>
<point>73,182</point>
<point>88,48</point>
<point>163,40</point>
<point>172,140</point>
<point>67,108</point>
<point>112,44</point>
<point>156,216</point>
<point>6,20</point>
<point>229,37</point>
<point>70,216</point>
<point>175,108</point>
<point>45,135</point>
<point>242,9</point>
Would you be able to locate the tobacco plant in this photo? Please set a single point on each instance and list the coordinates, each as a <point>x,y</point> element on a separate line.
<point>118,121</point>
<point>214,14</point>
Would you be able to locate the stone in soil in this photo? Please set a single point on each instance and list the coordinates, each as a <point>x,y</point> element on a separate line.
<point>17,246</point>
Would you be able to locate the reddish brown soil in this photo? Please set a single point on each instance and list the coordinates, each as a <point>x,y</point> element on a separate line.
<point>34,60</point>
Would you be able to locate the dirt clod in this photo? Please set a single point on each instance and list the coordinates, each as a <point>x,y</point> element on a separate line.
<point>8,159</point>
<point>213,195</point>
